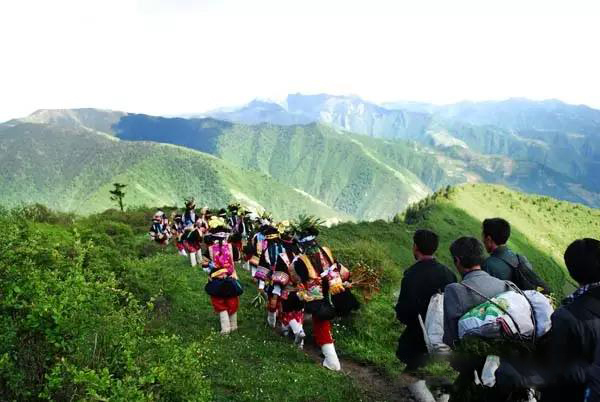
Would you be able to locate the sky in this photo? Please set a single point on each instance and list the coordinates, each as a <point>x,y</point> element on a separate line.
<point>182,56</point>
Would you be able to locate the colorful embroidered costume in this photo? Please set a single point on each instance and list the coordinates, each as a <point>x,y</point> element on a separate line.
<point>321,280</point>
<point>286,282</point>
<point>223,285</point>
<point>159,231</point>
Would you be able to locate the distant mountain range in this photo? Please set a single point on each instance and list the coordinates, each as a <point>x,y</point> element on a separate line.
<point>559,140</point>
<point>337,157</point>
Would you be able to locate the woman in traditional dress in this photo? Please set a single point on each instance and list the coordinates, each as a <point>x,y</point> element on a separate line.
<point>159,231</point>
<point>177,230</point>
<point>192,237</point>
<point>285,281</point>
<point>266,267</point>
<point>321,280</point>
<point>223,285</point>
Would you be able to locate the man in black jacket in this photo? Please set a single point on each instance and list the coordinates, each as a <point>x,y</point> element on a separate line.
<point>421,281</point>
<point>569,374</point>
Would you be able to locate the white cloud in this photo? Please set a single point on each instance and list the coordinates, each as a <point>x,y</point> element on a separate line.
<point>187,56</point>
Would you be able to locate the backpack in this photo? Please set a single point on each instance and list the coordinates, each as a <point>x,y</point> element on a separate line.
<point>525,277</point>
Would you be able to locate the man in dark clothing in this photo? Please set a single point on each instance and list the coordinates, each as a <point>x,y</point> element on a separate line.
<point>570,372</point>
<point>421,281</point>
<point>501,261</point>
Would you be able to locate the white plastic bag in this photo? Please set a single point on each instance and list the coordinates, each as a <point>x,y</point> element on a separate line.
<point>542,310</point>
<point>488,373</point>
<point>433,327</point>
<point>490,321</point>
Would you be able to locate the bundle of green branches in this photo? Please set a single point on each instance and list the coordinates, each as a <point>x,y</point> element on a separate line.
<point>259,301</point>
<point>366,279</point>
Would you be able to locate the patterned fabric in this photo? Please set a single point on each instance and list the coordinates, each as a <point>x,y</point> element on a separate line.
<point>222,258</point>
<point>286,317</point>
<point>581,291</point>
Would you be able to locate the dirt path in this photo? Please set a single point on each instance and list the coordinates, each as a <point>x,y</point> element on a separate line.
<point>376,386</point>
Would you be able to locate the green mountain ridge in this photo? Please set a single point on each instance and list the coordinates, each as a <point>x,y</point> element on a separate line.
<point>73,169</point>
<point>558,136</point>
<point>335,173</point>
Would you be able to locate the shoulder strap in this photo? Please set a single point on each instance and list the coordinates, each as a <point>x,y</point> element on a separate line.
<point>312,274</point>
<point>327,252</point>
<point>290,267</point>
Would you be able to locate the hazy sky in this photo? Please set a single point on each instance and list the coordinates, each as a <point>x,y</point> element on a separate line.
<point>169,57</point>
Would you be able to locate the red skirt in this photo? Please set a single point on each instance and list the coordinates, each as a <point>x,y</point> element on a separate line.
<point>322,331</point>
<point>191,247</point>
<point>229,304</point>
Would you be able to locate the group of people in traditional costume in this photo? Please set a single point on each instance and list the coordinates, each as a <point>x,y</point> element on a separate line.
<point>292,271</point>
<point>300,277</point>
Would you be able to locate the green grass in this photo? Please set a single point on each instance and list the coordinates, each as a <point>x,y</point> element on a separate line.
<point>251,364</point>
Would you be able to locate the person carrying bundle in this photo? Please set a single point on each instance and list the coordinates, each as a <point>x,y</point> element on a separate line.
<point>569,367</point>
<point>223,286</point>
<point>486,318</point>
<point>323,286</point>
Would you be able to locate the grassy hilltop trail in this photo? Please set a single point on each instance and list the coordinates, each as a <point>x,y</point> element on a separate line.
<point>90,309</point>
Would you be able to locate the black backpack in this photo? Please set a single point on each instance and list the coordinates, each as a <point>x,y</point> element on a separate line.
<point>525,277</point>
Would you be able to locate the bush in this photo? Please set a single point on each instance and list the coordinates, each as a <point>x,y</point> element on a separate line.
<point>70,330</point>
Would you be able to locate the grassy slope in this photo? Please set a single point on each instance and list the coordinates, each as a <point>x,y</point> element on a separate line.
<point>540,235</point>
<point>329,165</point>
<point>252,364</point>
<point>73,170</point>
<point>550,224</point>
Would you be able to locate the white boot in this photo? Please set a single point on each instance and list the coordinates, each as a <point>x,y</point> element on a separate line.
<point>299,334</point>
<point>225,325</point>
<point>193,259</point>
<point>331,359</point>
<point>271,319</point>
<point>199,256</point>
<point>182,252</point>
<point>233,322</point>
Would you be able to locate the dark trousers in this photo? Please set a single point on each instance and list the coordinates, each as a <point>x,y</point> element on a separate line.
<point>411,348</point>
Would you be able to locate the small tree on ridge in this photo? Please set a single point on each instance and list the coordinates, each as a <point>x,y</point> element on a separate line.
<point>118,194</point>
